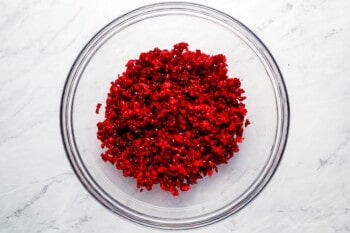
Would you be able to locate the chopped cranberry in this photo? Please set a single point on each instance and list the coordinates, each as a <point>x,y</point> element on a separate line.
<point>172,117</point>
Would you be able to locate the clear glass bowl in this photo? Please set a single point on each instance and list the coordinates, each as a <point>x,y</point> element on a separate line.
<point>163,25</point>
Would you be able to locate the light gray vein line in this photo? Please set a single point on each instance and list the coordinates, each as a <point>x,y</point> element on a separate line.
<point>332,32</point>
<point>287,7</point>
<point>81,221</point>
<point>266,24</point>
<point>68,44</point>
<point>54,178</point>
<point>42,192</point>
<point>48,225</point>
<point>343,144</point>
<point>5,53</point>
<point>64,27</point>
<point>62,174</point>
<point>8,20</point>
<point>7,138</point>
<point>21,107</point>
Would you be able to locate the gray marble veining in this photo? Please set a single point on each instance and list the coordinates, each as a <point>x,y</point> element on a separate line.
<point>310,191</point>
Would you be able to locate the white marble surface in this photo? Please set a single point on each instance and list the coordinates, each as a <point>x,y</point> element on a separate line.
<point>310,192</point>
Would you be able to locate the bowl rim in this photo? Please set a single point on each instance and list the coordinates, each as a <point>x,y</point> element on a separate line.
<point>67,134</point>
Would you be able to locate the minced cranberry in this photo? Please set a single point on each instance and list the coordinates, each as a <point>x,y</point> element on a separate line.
<point>98,106</point>
<point>172,117</point>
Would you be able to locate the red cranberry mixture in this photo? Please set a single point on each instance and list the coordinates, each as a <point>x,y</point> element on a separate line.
<point>172,117</point>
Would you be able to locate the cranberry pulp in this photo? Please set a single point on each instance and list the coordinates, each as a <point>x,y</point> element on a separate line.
<point>172,117</point>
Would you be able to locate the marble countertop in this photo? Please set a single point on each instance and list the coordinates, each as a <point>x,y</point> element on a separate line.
<point>310,192</point>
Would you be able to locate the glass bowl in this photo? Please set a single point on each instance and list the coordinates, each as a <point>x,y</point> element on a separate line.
<point>163,25</point>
